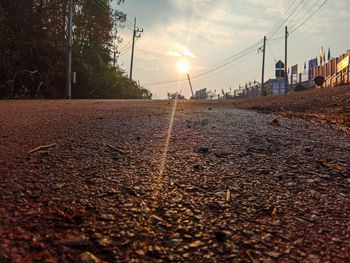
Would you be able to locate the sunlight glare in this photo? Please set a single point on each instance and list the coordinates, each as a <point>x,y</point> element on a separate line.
<point>188,53</point>
<point>183,66</point>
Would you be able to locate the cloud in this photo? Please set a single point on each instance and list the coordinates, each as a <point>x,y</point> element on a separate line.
<point>269,6</point>
<point>214,30</point>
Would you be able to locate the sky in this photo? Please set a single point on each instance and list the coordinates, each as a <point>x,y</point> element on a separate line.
<point>207,34</point>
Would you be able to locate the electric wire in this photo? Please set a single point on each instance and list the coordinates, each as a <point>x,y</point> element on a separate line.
<point>307,19</point>
<point>202,73</point>
<point>285,20</point>
<point>280,21</point>
<point>223,64</point>
<point>254,46</point>
<point>125,46</point>
<point>125,52</point>
<point>103,7</point>
<point>128,49</point>
<point>305,10</point>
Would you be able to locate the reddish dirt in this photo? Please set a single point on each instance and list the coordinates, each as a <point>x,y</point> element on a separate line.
<point>329,107</point>
<point>225,185</point>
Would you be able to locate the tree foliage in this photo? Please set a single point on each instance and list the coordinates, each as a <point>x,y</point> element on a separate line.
<point>33,50</point>
<point>175,96</point>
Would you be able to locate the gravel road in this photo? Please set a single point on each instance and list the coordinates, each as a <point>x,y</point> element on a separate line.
<point>221,185</point>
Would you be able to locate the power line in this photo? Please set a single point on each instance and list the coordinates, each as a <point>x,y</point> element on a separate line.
<point>278,24</point>
<point>102,6</point>
<point>128,27</point>
<point>231,59</point>
<point>125,51</point>
<point>238,56</point>
<point>129,22</point>
<point>216,66</point>
<point>287,18</point>
<point>254,46</point>
<point>307,19</point>
<point>126,46</point>
<point>250,54</point>
<point>222,64</point>
<point>305,11</point>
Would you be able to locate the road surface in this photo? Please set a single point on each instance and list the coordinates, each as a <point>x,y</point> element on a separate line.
<point>155,181</point>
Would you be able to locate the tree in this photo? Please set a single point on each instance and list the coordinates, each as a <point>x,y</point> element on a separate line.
<point>175,96</point>
<point>33,50</point>
<point>211,94</point>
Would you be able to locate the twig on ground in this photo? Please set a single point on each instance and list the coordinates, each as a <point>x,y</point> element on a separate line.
<point>116,149</point>
<point>228,196</point>
<point>42,147</point>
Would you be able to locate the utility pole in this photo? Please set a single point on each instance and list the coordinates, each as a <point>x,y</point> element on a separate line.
<point>263,67</point>
<point>189,81</point>
<point>285,59</point>
<point>133,45</point>
<point>69,53</point>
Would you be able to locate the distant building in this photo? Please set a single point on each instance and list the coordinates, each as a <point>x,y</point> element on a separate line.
<point>335,71</point>
<point>201,94</point>
<point>275,87</point>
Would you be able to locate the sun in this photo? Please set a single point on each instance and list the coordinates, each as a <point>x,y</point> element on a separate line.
<point>183,66</point>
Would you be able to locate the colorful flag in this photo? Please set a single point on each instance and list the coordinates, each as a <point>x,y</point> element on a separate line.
<point>294,69</point>
<point>321,56</point>
<point>329,54</point>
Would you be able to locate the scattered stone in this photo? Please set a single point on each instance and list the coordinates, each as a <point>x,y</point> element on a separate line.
<point>313,218</point>
<point>298,242</point>
<point>186,255</point>
<point>308,149</point>
<point>76,241</point>
<point>222,235</point>
<point>203,149</point>
<point>88,257</point>
<point>105,242</point>
<point>176,241</point>
<point>337,240</point>
<point>267,238</point>
<point>314,258</point>
<point>273,254</point>
<point>196,243</point>
<point>248,232</point>
<point>275,122</point>
<point>107,217</point>
<point>325,176</point>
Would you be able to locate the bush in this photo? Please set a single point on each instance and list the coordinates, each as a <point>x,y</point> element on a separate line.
<point>299,88</point>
